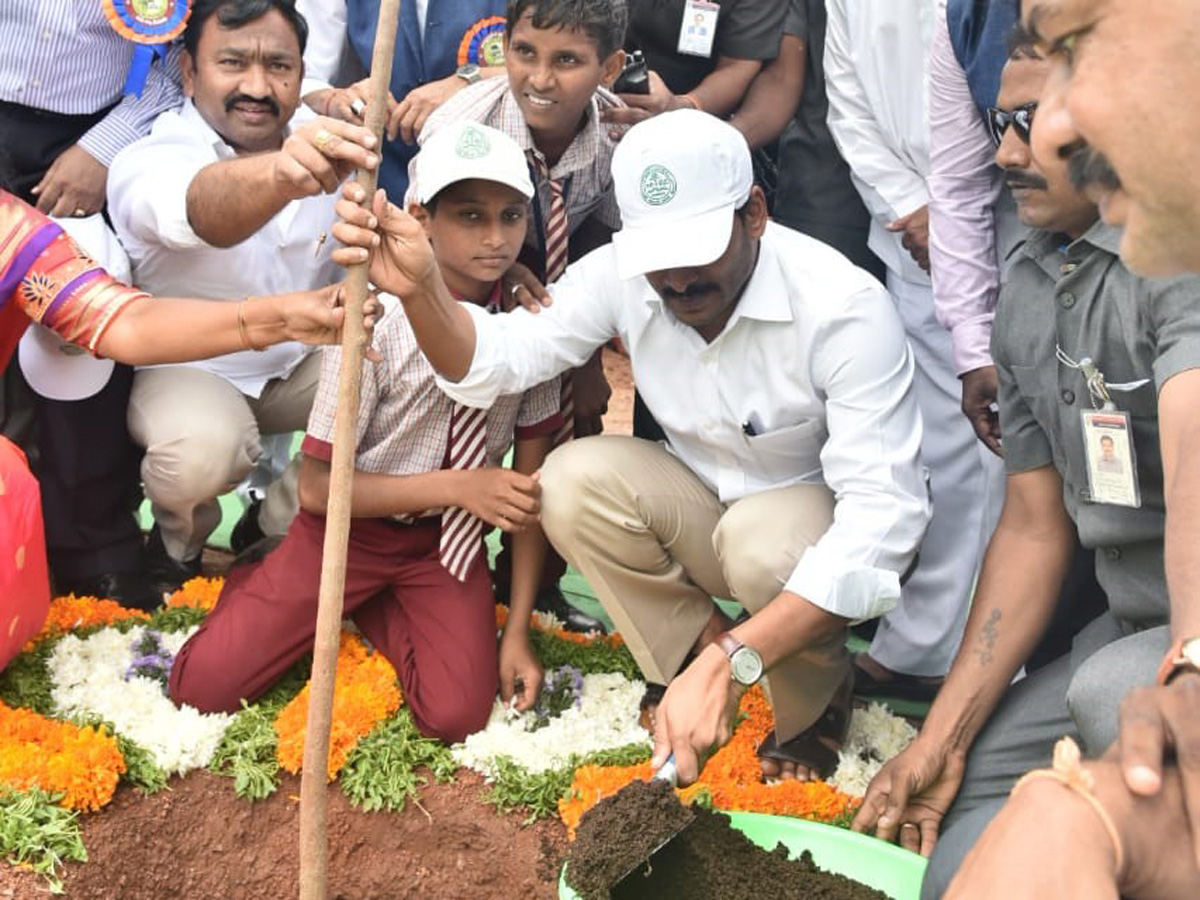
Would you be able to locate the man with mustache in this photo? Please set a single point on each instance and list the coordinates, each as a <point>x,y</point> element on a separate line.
<point>790,479</point>
<point>1075,331</point>
<point>229,196</point>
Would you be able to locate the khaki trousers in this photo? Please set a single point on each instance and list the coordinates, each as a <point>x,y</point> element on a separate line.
<point>657,545</point>
<point>201,436</point>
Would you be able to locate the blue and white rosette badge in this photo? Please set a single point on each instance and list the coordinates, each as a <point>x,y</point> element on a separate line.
<point>151,24</point>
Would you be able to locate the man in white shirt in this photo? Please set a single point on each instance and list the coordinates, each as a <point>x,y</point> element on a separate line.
<point>791,478</point>
<point>876,69</point>
<point>228,197</point>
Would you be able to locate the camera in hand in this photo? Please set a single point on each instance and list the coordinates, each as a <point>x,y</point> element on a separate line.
<point>635,77</point>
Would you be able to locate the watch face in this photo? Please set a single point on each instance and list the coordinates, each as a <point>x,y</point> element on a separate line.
<point>746,666</point>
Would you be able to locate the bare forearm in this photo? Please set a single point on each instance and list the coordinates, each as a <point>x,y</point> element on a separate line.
<point>1018,589</point>
<point>168,330</point>
<point>787,624</point>
<point>376,495</point>
<point>529,545</point>
<point>229,201</point>
<point>722,91</point>
<point>1182,538</point>
<point>773,96</point>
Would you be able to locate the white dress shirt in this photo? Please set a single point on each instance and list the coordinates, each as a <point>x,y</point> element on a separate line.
<point>147,201</point>
<point>877,76</point>
<point>809,382</point>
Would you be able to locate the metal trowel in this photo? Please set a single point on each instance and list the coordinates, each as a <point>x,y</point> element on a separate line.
<point>640,880</point>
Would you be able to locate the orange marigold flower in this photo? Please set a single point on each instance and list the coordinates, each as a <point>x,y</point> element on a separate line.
<point>365,693</point>
<point>71,612</point>
<point>84,764</point>
<point>200,592</point>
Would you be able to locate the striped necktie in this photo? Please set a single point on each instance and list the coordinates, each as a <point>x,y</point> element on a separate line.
<point>462,532</point>
<point>557,236</point>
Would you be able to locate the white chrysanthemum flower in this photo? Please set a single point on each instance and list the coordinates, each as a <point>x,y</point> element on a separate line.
<point>88,678</point>
<point>605,719</point>
<point>875,736</point>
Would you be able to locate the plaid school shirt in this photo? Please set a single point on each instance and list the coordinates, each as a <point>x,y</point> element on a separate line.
<point>404,418</point>
<point>585,167</point>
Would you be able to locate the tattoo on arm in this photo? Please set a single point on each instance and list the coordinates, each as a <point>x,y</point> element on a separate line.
<point>987,640</point>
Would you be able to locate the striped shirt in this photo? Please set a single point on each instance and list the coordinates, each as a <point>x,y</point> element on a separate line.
<point>62,56</point>
<point>404,418</point>
<point>585,168</point>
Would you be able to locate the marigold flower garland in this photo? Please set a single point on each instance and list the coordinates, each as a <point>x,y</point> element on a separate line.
<point>71,613</point>
<point>84,764</point>
<point>365,693</point>
<point>199,592</point>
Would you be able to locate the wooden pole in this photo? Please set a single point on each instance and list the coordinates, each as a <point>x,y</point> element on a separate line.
<point>314,785</point>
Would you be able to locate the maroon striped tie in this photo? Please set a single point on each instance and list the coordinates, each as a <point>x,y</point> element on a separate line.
<point>462,532</point>
<point>557,236</point>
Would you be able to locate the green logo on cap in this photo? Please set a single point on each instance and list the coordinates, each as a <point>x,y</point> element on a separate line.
<point>472,144</point>
<point>658,185</point>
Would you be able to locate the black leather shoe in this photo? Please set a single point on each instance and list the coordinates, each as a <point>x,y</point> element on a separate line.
<point>551,600</point>
<point>132,590</point>
<point>247,531</point>
<point>165,573</point>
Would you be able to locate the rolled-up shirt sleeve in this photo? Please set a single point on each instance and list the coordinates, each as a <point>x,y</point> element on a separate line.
<point>871,461</point>
<point>147,192</point>
<point>516,351</point>
<point>964,184</point>
<point>133,116</point>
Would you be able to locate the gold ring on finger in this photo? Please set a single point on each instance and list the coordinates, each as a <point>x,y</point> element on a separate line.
<point>322,139</point>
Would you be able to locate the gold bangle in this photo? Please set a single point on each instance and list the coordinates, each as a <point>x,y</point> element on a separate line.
<point>690,98</point>
<point>1067,770</point>
<point>243,331</point>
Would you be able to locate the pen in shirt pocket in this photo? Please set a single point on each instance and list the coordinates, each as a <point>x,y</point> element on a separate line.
<point>752,427</point>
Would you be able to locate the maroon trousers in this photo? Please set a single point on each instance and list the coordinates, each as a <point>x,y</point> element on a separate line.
<point>438,633</point>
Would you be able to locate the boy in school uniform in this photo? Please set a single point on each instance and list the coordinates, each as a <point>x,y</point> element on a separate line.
<point>559,56</point>
<point>428,476</point>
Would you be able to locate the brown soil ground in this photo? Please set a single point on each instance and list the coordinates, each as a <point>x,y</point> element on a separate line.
<point>198,841</point>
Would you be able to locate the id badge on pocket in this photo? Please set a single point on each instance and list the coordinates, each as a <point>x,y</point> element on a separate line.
<point>698,30</point>
<point>1111,464</point>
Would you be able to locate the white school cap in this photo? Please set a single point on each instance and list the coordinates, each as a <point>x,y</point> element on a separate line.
<point>463,150</point>
<point>678,178</point>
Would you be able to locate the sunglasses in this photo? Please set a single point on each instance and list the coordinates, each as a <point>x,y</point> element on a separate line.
<point>1021,119</point>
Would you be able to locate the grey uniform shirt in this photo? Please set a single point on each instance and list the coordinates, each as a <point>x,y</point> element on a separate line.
<point>1081,299</point>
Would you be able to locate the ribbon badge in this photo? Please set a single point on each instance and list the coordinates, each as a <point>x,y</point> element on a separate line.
<point>483,43</point>
<point>152,25</point>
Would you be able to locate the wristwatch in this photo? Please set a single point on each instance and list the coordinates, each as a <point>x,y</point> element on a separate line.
<point>745,665</point>
<point>1183,655</point>
<point>469,72</point>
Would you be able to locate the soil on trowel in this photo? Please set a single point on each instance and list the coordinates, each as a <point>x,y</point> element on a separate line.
<point>709,861</point>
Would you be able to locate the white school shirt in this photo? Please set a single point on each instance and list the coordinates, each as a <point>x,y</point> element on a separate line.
<point>810,381</point>
<point>147,201</point>
<point>877,79</point>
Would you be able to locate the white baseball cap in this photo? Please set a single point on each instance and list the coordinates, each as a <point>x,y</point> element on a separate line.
<point>463,150</point>
<point>678,178</point>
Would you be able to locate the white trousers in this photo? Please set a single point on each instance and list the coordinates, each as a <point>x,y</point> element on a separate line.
<point>921,635</point>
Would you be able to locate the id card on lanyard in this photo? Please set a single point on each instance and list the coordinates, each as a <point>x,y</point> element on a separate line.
<point>1107,439</point>
<point>698,30</point>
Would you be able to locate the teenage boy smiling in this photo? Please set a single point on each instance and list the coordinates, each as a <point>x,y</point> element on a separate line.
<point>420,595</point>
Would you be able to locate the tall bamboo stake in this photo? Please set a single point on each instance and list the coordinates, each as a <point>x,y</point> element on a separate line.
<point>314,850</point>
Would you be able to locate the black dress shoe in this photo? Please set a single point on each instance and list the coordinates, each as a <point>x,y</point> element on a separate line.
<point>165,573</point>
<point>247,531</point>
<point>551,600</point>
<point>132,590</point>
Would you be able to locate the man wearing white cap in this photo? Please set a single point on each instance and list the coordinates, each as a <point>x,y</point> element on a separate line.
<point>791,478</point>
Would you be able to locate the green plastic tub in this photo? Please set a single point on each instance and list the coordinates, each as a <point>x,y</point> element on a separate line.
<point>880,865</point>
